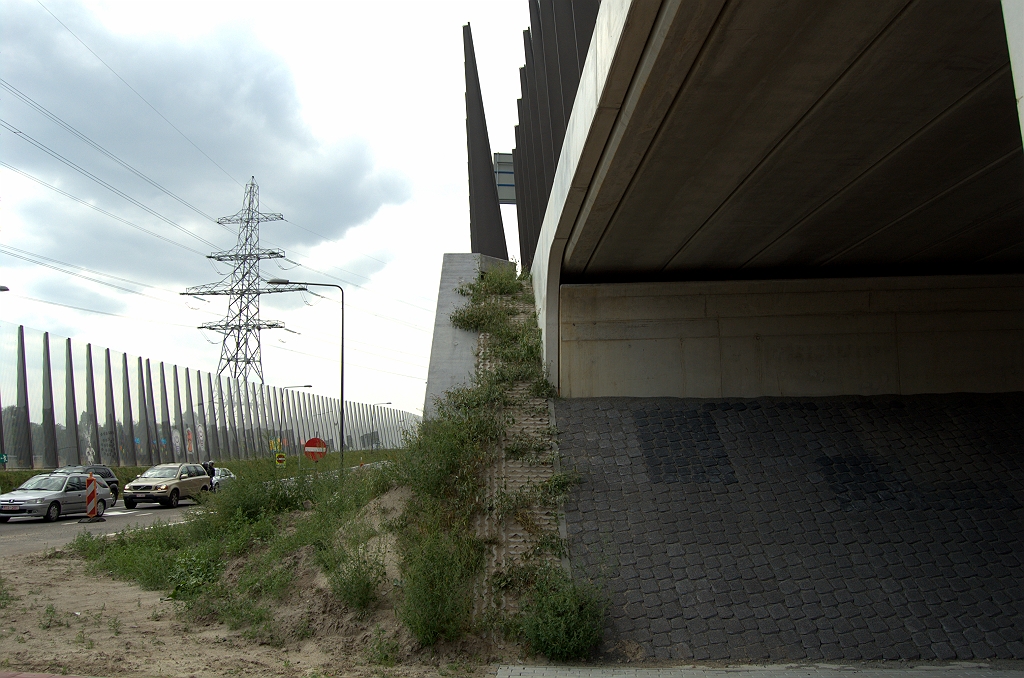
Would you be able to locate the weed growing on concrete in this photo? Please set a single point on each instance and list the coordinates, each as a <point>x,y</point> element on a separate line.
<point>529,448</point>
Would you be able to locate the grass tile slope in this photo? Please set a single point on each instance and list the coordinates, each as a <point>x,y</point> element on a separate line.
<point>285,561</point>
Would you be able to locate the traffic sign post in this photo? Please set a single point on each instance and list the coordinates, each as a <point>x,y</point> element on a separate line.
<point>316,449</point>
<point>280,459</point>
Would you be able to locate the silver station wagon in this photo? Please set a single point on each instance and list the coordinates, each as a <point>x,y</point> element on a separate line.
<point>48,496</point>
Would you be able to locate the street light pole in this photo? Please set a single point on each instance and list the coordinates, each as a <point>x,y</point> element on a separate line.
<point>341,387</point>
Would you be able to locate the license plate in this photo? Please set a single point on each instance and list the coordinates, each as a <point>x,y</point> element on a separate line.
<point>11,508</point>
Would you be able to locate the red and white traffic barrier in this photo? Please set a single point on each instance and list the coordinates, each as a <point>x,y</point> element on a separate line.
<point>90,496</point>
<point>90,501</point>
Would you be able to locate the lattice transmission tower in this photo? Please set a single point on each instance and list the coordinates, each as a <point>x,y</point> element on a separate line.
<point>240,354</point>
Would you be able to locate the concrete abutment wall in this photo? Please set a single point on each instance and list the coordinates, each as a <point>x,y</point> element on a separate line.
<point>823,337</point>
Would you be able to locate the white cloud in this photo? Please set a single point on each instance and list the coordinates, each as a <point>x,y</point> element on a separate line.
<point>351,116</point>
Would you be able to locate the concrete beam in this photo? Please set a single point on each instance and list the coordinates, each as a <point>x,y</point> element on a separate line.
<point>862,336</point>
<point>620,36</point>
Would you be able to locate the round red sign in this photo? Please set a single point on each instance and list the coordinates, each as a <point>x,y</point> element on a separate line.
<point>316,448</point>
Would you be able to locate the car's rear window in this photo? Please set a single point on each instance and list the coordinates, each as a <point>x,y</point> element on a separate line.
<point>48,483</point>
<point>161,472</point>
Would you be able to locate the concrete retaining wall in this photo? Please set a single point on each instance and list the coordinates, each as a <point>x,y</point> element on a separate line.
<point>453,351</point>
<point>793,338</point>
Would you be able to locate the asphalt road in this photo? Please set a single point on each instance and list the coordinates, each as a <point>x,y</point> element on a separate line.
<point>27,535</point>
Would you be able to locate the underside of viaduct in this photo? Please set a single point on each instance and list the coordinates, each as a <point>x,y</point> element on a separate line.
<point>788,199</point>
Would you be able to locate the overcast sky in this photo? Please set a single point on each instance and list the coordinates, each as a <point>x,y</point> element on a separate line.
<point>351,116</point>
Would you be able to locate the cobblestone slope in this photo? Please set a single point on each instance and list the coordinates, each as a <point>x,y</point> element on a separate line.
<point>857,528</point>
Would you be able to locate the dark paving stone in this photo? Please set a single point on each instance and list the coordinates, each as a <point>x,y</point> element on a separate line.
<point>803,528</point>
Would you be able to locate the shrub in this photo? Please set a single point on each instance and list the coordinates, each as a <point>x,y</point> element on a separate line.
<point>561,618</point>
<point>437,575</point>
<point>357,577</point>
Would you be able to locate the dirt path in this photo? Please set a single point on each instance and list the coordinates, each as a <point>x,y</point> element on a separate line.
<point>63,620</point>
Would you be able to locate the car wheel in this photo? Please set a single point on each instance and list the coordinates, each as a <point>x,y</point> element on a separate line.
<point>129,503</point>
<point>4,519</point>
<point>101,506</point>
<point>172,501</point>
<point>52,513</point>
<point>114,495</point>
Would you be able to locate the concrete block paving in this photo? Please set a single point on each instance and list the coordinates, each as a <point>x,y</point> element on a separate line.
<point>850,528</point>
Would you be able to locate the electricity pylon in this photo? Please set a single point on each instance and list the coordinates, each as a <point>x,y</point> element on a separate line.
<point>240,354</point>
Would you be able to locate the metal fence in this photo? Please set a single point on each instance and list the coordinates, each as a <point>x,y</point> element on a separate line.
<point>65,402</point>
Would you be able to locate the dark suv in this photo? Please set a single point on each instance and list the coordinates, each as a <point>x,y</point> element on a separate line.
<point>97,470</point>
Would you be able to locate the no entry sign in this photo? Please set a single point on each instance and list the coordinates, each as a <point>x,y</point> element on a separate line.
<point>316,448</point>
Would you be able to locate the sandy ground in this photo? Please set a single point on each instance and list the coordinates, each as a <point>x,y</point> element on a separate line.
<point>65,620</point>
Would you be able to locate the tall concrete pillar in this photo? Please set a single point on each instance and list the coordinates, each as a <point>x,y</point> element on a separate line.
<point>188,422</point>
<point>109,453</point>
<point>130,451</point>
<point>214,416</point>
<point>230,429</point>
<point>49,423</point>
<point>144,434</point>
<point>151,420</point>
<point>90,437</point>
<point>202,449</point>
<point>21,433</point>
<point>487,235</point>
<point>166,449</point>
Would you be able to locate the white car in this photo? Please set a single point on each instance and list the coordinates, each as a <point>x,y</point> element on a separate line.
<point>221,476</point>
<point>50,495</point>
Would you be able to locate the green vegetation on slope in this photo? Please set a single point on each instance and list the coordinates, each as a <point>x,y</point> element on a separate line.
<point>444,466</point>
<point>248,523</point>
<point>237,557</point>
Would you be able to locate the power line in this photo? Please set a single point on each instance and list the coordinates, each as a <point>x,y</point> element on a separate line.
<point>99,209</point>
<point>184,136</point>
<point>39,108</point>
<point>101,182</point>
<point>132,200</point>
<point>164,322</point>
<point>362,287</point>
<point>92,310</point>
<point>51,116</point>
<point>359,308</point>
<point>81,268</point>
<point>347,363</point>
<point>54,267</point>
<point>173,242</point>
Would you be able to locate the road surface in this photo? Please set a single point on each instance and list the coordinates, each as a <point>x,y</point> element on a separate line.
<point>27,535</point>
